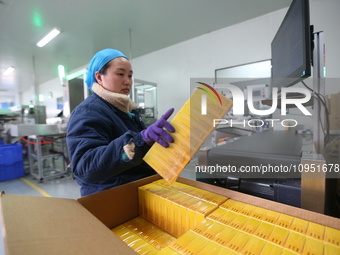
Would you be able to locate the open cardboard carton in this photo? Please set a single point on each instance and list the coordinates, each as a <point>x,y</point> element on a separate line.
<point>47,225</point>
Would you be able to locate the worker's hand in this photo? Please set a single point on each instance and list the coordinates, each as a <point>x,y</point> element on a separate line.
<point>156,132</point>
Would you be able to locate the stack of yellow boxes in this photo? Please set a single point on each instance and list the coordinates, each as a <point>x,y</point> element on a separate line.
<point>180,219</point>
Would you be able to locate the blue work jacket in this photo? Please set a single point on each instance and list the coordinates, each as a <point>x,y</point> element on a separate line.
<point>96,134</point>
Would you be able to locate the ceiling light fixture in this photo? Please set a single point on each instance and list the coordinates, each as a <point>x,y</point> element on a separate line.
<point>9,70</point>
<point>48,37</point>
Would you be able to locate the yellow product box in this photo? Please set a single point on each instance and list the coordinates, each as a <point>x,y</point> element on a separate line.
<point>183,241</point>
<point>271,216</point>
<point>147,249</point>
<point>315,230</point>
<point>313,247</point>
<point>195,247</point>
<point>332,236</point>
<point>295,242</point>
<point>202,226</point>
<point>217,214</point>
<point>191,212</point>
<point>287,252</point>
<point>264,230</point>
<point>227,217</point>
<point>253,247</point>
<point>174,215</point>
<point>330,249</point>
<point>210,197</point>
<point>227,204</point>
<point>251,225</point>
<point>205,209</point>
<point>279,236</point>
<point>121,230</point>
<point>285,221</point>
<point>213,230</point>
<point>270,248</point>
<point>238,241</point>
<point>226,251</point>
<point>136,243</point>
<point>128,238</point>
<point>259,213</point>
<point>238,221</point>
<point>167,251</point>
<point>247,210</point>
<point>182,216</point>
<point>211,248</point>
<point>237,207</point>
<point>299,225</point>
<point>162,240</point>
<point>225,236</point>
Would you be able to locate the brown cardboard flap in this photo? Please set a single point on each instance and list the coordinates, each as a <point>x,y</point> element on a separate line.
<point>117,205</point>
<point>45,225</point>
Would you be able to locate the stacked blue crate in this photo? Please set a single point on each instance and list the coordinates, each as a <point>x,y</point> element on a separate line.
<point>11,161</point>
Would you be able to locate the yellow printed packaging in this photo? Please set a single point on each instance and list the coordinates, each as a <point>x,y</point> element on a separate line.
<point>236,207</point>
<point>227,217</point>
<point>194,205</point>
<point>285,221</point>
<point>226,251</point>
<point>279,236</point>
<point>162,240</point>
<point>210,248</point>
<point>259,213</point>
<point>299,225</point>
<point>332,236</point>
<point>238,241</point>
<point>182,216</point>
<point>315,230</point>
<point>312,247</point>
<point>227,204</point>
<point>217,214</point>
<point>295,242</point>
<point>225,236</point>
<point>202,226</point>
<point>253,247</point>
<point>287,252</point>
<point>250,225</point>
<point>183,241</point>
<point>248,210</point>
<point>174,213</point>
<point>238,221</point>
<point>330,249</point>
<point>205,209</point>
<point>196,246</point>
<point>167,251</point>
<point>264,230</point>
<point>270,248</point>
<point>211,197</point>
<point>213,230</point>
<point>121,230</point>
<point>147,249</point>
<point>271,217</point>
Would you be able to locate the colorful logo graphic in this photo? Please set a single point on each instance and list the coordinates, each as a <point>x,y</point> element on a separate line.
<point>212,94</point>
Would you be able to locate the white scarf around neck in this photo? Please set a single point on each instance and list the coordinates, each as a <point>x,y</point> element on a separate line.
<point>121,101</point>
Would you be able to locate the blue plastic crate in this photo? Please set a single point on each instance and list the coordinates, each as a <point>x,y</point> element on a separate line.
<point>13,171</point>
<point>10,153</point>
<point>11,162</point>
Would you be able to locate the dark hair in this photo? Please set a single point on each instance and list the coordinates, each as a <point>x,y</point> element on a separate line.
<point>104,68</point>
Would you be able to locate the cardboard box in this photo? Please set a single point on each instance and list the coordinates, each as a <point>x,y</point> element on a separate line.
<point>47,225</point>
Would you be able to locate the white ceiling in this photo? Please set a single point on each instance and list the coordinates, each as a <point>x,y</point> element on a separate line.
<point>88,26</point>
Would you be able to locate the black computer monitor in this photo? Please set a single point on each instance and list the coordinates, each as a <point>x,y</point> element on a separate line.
<point>291,47</point>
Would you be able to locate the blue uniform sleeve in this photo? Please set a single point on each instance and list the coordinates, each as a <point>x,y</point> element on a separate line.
<point>95,143</point>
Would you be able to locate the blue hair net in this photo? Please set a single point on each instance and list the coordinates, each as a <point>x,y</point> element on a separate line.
<point>98,61</point>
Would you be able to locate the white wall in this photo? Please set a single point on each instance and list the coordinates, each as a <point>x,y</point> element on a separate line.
<point>171,68</point>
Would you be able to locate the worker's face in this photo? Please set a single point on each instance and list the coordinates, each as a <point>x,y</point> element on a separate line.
<point>118,77</point>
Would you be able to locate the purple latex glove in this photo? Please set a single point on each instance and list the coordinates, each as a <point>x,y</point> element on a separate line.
<point>156,132</point>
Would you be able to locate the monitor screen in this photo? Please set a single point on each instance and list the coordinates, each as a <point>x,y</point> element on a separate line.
<point>291,47</point>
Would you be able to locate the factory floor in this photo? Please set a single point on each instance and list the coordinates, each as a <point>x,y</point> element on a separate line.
<point>64,187</point>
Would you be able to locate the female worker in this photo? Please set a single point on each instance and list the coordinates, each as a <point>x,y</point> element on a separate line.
<point>106,137</point>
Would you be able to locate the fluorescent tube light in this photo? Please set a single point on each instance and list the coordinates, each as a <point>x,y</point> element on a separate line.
<point>48,37</point>
<point>9,70</point>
